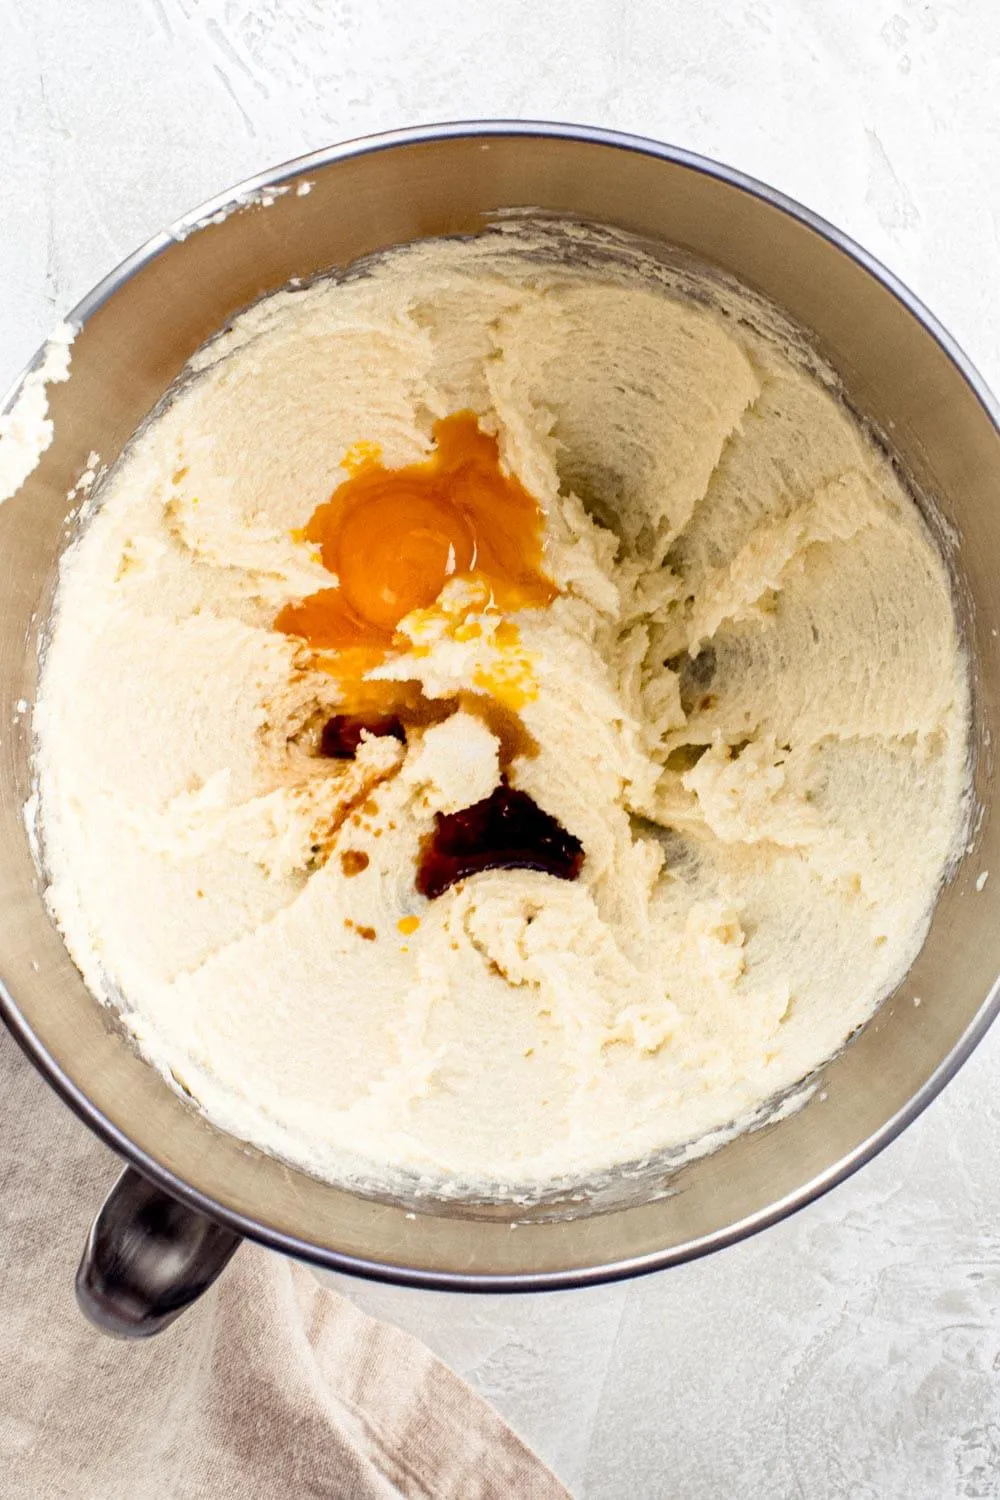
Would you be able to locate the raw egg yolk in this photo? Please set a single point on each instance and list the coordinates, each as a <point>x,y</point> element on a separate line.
<point>394,537</point>
<point>395,549</point>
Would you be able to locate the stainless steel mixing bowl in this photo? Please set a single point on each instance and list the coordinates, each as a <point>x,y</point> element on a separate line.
<point>150,1252</point>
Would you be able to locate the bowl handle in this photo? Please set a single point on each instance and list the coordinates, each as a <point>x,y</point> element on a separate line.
<point>147,1258</point>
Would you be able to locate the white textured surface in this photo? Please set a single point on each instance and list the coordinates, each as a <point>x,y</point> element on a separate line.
<point>855,1350</point>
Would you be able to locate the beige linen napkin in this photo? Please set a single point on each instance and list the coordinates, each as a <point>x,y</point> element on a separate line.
<point>271,1386</point>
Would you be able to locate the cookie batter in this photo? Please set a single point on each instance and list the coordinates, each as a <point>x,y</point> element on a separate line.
<point>503,720</point>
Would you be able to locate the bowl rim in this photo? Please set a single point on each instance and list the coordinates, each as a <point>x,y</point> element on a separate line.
<point>808,1192</point>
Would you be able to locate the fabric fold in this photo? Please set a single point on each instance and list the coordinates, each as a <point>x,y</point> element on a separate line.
<point>272,1386</point>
